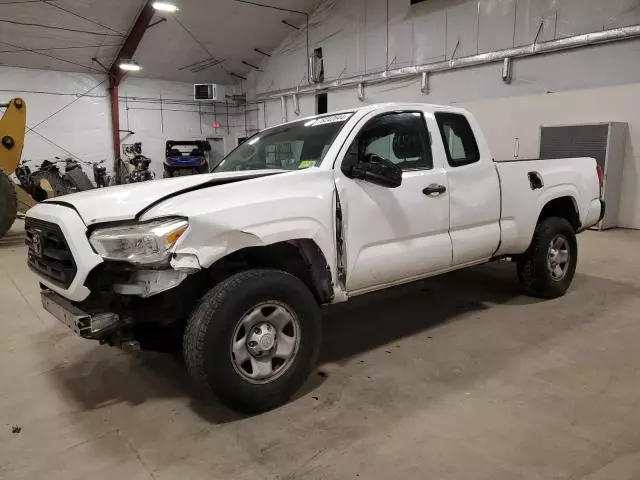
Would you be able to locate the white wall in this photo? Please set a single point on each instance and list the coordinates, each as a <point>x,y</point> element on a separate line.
<point>508,118</point>
<point>594,84</point>
<point>155,110</point>
<point>82,127</point>
<point>159,110</point>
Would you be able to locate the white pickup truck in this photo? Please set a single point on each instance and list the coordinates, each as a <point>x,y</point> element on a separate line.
<point>302,215</point>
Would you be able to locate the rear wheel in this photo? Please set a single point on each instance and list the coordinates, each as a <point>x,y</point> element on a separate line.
<point>8,203</point>
<point>253,339</point>
<point>547,268</point>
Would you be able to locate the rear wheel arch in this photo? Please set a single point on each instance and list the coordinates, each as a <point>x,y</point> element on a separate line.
<point>564,207</point>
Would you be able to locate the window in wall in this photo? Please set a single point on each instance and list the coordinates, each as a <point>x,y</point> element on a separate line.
<point>321,103</point>
<point>459,141</point>
<point>317,66</point>
<point>400,137</point>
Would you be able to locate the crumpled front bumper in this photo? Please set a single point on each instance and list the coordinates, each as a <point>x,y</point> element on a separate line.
<point>84,324</point>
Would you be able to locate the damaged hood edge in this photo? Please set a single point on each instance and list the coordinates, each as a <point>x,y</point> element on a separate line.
<point>127,202</point>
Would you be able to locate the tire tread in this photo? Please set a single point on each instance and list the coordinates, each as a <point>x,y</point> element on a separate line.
<point>204,325</point>
<point>196,330</point>
<point>535,282</point>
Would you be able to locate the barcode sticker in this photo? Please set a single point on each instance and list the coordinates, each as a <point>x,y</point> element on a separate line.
<point>331,119</point>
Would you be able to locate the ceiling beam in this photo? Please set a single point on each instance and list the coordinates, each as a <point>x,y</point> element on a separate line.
<point>131,42</point>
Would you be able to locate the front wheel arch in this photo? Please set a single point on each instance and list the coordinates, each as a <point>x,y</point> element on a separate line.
<point>301,258</point>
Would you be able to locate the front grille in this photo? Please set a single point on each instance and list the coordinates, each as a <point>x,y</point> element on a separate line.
<point>49,254</point>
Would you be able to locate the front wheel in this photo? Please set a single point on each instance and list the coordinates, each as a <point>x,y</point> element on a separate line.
<point>253,339</point>
<point>547,268</point>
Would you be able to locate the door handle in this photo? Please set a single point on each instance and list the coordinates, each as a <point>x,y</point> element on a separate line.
<point>434,190</point>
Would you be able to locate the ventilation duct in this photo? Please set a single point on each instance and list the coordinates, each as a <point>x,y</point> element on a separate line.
<point>578,41</point>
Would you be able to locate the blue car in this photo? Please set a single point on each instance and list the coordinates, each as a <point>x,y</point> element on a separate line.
<point>186,157</point>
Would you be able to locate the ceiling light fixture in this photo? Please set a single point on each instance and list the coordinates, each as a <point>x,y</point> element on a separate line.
<point>165,7</point>
<point>130,66</point>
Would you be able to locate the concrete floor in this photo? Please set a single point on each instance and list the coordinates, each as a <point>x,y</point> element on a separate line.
<point>459,377</point>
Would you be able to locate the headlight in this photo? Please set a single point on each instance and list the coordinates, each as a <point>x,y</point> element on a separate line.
<point>141,243</point>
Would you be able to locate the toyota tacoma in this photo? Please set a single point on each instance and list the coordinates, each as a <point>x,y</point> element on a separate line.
<point>301,215</point>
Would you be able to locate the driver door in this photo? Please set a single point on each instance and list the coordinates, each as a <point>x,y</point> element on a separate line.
<point>397,234</point>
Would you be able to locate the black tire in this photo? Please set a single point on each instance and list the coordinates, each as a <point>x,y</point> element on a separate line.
<point>78,180</point>
<point>8,203</point>
<point>210,329</point>
<point>534,273</point>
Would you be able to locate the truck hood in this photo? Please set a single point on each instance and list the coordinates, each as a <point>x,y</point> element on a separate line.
<point>126,202</point>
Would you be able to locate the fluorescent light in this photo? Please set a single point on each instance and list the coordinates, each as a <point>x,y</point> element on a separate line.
<point>130,66</point>
<point>165,7</point>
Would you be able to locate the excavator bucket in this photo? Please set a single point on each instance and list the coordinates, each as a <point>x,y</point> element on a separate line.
<point>12,131</point>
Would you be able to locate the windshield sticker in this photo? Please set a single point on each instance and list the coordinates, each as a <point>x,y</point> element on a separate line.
<point>306,164</point>
<point>331,119</point>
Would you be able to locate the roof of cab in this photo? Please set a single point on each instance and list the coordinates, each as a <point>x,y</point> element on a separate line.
<point>376,106</point>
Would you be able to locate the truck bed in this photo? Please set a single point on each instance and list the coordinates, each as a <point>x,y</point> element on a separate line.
<point>527,185</point>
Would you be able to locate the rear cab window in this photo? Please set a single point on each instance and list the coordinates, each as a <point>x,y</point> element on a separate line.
<point>459,142</point>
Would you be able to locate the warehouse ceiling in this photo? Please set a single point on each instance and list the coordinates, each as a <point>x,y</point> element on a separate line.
<point>204,41</point>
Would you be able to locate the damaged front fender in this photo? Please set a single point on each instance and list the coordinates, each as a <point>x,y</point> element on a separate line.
<point>188,256</point>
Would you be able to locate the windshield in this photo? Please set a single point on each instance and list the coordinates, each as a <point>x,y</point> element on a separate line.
<point>290,147</point>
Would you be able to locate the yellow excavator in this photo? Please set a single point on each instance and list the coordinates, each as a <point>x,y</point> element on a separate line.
<point>13,198</point>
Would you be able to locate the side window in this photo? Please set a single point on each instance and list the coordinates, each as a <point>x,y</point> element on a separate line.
<point>400,137</point>
<point>457,136</point>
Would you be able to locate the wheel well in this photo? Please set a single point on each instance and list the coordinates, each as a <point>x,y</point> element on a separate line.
<point>301,258</point>
<point>563,207</point>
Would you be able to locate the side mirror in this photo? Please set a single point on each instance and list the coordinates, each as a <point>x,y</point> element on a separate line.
<point>377,170</point>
